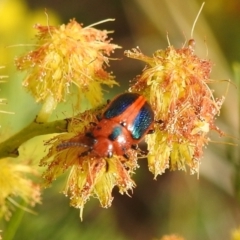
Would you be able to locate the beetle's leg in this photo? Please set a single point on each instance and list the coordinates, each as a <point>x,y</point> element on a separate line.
<point>85,153</point>
<point>150,131</point>
<point>110,154</point>
<point>107,166</point>
<point>124,153</point>
<point>89,134</point>
<point>99,117</point>
<point>134,146</point>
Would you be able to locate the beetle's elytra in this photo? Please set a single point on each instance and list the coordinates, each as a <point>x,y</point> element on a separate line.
<point>125,121</point>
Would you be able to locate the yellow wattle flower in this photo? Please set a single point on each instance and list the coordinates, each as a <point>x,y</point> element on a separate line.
<point>175,83</point>
<point>15,183</point>
<point>88,174</point>
<point>66,56</point>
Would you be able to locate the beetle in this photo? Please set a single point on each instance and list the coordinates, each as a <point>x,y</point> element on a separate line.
<point>123,124</point>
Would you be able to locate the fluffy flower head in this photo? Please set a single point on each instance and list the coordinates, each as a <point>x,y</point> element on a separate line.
<point>65,56</point>
<point>89,175</point>
<point>175,82</point>
<point>14,183</point>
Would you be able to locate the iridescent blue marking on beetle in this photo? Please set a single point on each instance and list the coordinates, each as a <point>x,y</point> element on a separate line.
<point>120,104</point>
<point>142,122</point>
<point>117,131</point>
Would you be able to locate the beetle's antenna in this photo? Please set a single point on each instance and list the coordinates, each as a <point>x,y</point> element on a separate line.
<point>65,145</point>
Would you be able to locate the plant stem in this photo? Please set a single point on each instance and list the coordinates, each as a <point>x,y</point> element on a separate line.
<point>9,148</point>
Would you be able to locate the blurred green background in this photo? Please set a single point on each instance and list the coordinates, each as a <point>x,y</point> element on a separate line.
<point>207,208</point>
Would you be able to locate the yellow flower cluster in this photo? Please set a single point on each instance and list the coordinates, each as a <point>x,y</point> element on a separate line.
<point>15,182</point>
<point>175,82</point>
<point>89,175</point>
<point>65,56</point>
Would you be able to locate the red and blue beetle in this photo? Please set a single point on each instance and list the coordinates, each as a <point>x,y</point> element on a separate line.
<point>123,124</point>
